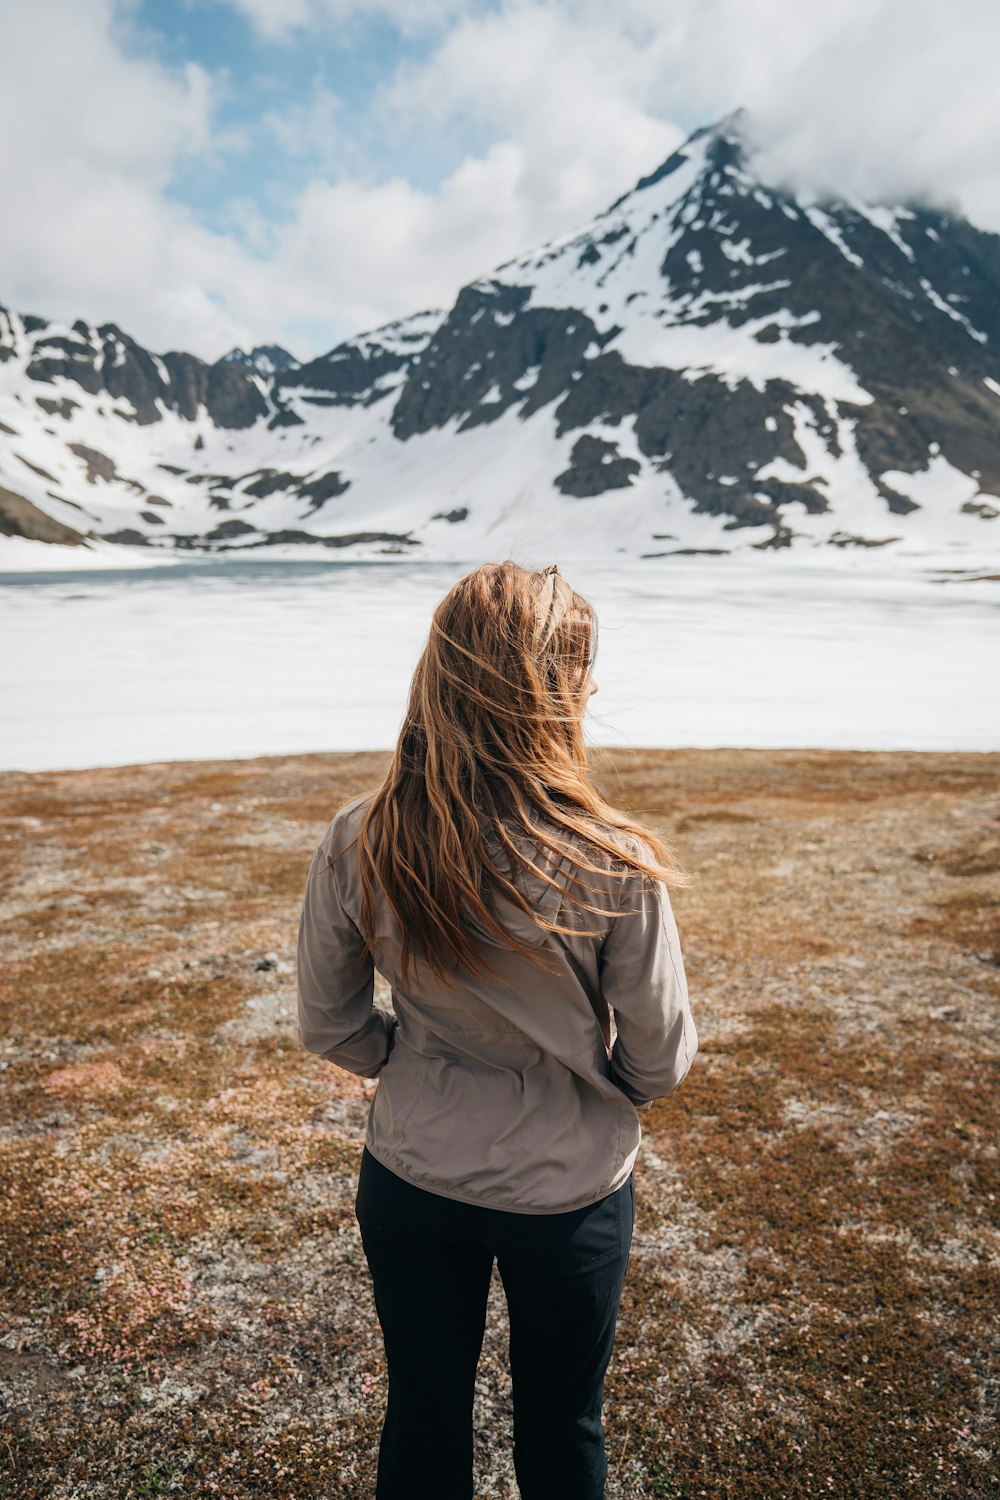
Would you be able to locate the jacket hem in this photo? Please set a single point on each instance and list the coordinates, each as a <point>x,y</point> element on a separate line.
<point>478,1201</point>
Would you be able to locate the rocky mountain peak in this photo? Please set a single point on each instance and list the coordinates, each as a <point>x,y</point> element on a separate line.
<point>714,362</point>
<point>265,359</point>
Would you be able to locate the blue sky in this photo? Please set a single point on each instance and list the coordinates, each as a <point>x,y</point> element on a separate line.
<point>213,172</point>
<point>261,76</point>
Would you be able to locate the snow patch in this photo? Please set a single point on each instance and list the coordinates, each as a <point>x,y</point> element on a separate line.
<point>939,487</point>
<point>885,219</point>
<point>735,355</point>
<point>946,307</point>
<point>831,230</point>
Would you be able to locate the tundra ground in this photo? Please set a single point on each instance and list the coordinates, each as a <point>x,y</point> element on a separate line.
<point>811,1301</point>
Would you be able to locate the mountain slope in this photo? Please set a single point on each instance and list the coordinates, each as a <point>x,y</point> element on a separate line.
<point>712,364</point>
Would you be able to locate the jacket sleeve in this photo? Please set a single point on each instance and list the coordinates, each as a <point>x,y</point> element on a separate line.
<point>336,978</point>
<point>643,980</point>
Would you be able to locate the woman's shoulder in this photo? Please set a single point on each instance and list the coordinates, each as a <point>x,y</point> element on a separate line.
<point>631,843</point>
<point>577,850</point>
<point>344,824</point>
<point>622,839</point>
<point>352,809</point>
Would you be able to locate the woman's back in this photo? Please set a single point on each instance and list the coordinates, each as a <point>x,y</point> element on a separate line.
<point>510,1091</point>
<point>516,915</point>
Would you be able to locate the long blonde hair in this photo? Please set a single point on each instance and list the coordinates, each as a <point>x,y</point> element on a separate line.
<point>492,740</point>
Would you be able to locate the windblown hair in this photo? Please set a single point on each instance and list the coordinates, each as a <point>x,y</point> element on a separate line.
<point>492,740</point>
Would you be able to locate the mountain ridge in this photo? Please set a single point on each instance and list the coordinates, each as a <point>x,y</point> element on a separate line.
<point>712,360</point>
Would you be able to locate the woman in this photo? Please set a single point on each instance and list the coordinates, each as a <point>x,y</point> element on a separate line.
<point>511,910</point>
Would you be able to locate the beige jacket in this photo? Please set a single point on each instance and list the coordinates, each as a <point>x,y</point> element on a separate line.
<point>513,1093</point>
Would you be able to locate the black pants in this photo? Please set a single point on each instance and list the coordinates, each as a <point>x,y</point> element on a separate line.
<point>431,1260</point>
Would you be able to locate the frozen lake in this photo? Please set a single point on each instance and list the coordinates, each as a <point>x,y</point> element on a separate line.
<point>204,659</point>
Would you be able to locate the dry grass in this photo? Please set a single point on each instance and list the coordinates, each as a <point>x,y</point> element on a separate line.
<point>810,1308</point>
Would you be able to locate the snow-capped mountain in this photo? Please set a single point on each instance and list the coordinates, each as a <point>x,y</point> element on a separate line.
<point>713,364</point>
<point>266,359</point>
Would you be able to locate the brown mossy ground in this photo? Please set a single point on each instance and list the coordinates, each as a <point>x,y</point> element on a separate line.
<point>811,1302</point>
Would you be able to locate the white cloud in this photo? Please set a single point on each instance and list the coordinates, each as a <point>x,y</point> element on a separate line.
<point>879,98</point>
<point>97,234</point>
<point>572,136</point>
<point>310,127</point>
<point>894,100</point>
<point>371,252</point>
<point>88,227</point>
<point>577,99</point>
<point>278,20</point>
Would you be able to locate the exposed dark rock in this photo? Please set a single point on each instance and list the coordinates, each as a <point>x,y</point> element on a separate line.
<point>595,467</point>
<point>265,359</point>
<point>74,503</point>
<point>347,540</point>
<point>19,517</point>
<point>64,408</point>
<point>151,517</point>
<point>846,539</point>
<point>284,417</point>
<point>461,513</point>
<point>99,465</point>
<point>325,487</point>
<point>678,422</point>
<point>228,392</point>
<point>230,528</point>
<point>784,492</point>
<point>780,537</point>
<point>102,360</point>
<point>356,373</point>
<point>900,505</point>
<point>690,552</point>
<point>128,537</point>
<point>36,469</point>
<point>272,481</point>
<point>186,541</point>
<point>346,374</point>
<point>56,356</point>
<point>486,347</point>
<point>268,483</point>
